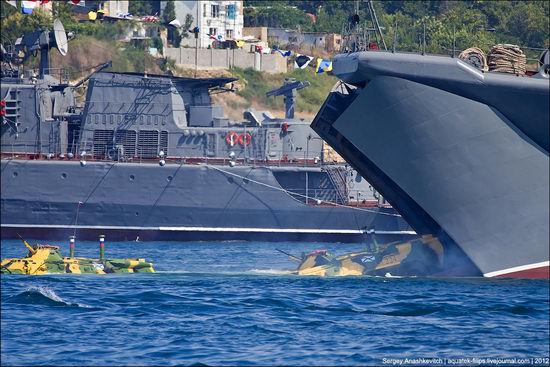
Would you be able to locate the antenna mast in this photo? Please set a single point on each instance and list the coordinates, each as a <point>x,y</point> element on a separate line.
<point>356,34</point>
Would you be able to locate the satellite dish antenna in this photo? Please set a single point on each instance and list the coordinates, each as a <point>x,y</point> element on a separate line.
<point>60,37</point>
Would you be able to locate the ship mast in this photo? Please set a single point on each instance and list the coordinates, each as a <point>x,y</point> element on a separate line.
<point>356,35</point>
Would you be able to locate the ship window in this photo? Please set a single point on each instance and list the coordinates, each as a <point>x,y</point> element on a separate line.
<point>163,120</point>
<point>169,178</point>
<point>132,177</point>
<point>15,174</point>
<point>63,175</point>
<point>148,119</point>
<point>104,118</point>
<point>96,118</point>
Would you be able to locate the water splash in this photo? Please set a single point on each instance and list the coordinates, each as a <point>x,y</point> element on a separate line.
<point>40,295</point>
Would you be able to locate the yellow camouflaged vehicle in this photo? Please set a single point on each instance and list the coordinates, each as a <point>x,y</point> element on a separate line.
<point>47,259</point>
<point>419,257</point>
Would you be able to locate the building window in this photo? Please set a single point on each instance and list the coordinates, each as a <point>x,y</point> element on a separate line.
<point>229,33</point>
<point>230,10</point>
<point>215,11</point>
<point>212,31</point>
<point>204,10</point>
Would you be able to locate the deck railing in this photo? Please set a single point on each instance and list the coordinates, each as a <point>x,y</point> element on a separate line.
<point>152,153</point>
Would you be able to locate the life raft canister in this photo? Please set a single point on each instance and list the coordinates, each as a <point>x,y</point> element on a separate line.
<point>232,138</point>
<point>245,139</point>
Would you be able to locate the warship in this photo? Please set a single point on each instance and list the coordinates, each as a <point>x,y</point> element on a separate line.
<point>150,157</point>
<point>460,151</point>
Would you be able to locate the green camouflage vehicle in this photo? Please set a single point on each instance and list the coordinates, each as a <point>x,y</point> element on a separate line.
<point>47,259</point>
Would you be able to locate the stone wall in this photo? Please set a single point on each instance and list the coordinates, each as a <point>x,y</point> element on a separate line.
<point>225,59</point>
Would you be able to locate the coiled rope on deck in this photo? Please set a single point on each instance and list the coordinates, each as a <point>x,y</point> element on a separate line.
<point>506,58</point>
<point>475,55</point>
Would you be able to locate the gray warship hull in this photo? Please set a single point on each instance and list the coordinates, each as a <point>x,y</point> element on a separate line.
<point>459,153</point>
<point>128,201</point>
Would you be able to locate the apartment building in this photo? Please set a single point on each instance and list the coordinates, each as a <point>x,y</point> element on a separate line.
<point>217,18</point>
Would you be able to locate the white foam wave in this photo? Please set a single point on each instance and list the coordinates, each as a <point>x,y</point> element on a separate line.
<point>50,293</point>
<point>270,271</point>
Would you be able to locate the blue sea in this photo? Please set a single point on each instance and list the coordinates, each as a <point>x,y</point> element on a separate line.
<point>236,303</point>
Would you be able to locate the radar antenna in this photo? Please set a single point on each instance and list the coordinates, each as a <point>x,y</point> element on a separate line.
<point>40,40</point>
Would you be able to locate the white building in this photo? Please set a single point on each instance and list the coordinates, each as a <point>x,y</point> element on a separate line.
<point>113,7</point>
<point>223,18</point>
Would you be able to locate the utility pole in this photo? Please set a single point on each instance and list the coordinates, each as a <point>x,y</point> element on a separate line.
<point>197,35</point>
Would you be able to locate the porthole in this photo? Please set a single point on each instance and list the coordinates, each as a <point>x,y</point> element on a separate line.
<point>137,214</point>
<point>63,175</point>
<point>169,178</point>
<point>132,177</point>
<point>15,174</point>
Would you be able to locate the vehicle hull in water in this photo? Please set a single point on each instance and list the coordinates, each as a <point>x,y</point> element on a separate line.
<point>461,154</point>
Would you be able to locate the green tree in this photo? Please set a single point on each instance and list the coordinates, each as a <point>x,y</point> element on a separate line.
<point>139,7</point>
<point>169,12</point>
<point>185,28</point>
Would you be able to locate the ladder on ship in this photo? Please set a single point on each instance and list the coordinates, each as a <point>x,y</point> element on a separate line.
<point>338,178</point>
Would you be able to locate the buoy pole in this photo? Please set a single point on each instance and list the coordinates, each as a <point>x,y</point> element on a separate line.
<point>101,247</point>
<point>71,246</point>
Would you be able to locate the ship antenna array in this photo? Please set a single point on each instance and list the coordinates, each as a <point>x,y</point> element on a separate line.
<point>356,35</point>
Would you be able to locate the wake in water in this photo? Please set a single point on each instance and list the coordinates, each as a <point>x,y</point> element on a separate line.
<point>270,271</point>
<point>36,295</point>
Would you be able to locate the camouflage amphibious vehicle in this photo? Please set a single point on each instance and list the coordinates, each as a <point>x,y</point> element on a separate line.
<point>47,259</point>
<point>419,257</point>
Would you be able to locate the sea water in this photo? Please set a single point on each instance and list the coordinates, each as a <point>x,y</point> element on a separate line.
<point>237,303</point>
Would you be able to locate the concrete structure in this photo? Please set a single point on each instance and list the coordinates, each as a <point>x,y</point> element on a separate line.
<point>328,41</point>
<point>259,33</point>
<point>212,17</point>
<point>224,59</point>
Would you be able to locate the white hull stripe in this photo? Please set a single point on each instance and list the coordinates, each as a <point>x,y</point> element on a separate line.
<point>208,229</point>
<point>516,269</point>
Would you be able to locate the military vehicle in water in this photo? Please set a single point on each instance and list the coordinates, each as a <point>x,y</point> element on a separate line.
<point>47,259</point>
<point>419,257</point>
<point>150,156</point>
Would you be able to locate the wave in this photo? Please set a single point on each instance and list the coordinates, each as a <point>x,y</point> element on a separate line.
<point>36,295</point>
<point>270,271</point>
